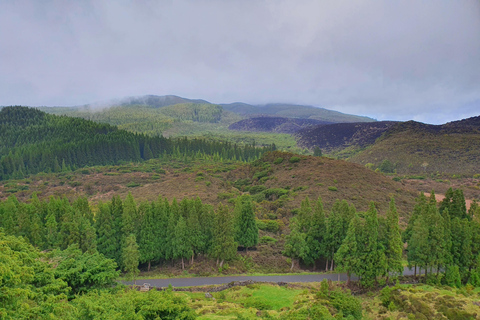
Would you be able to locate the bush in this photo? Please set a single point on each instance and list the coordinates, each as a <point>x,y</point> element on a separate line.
<point>278,161</point>
<point>267,240</point>
<point>452,276</point>
<point>241,183</point>
<point>294,159</point>
<point>133,184</point>
<point>257,189</point>
<point>387,166</point>
<point>275,193</point>
<point>332,188</point>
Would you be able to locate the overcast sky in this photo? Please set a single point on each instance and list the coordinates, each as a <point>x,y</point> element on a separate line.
<point>396,60</point>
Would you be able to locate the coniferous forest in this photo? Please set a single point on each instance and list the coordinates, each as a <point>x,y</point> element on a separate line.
<point>34,141</point>
<point>63,255</point>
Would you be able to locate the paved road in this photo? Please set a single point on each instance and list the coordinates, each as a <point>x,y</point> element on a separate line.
<point>206,281</point>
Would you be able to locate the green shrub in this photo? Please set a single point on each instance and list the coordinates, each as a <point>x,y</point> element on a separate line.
<point>278,161</point>
<point>267,240</point>
<point>332,188</point>
<point>452,276</point>
<point>275,193</point>
<point>74,184</point>
<point>257,189</point>
<point>241,183</point>
<point>111,173</point>
<point>260,174</point>
<point>387,166</point>
<point>294,159</point>
<point>225,195</point>
<point>133,184</point>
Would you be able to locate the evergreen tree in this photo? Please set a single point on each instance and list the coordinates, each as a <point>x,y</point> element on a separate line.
<point>181,245</point>
<point>372,253</point>
<point>394,245</point>
<point>304,216</point>
<point>295,245</point>
<point>224,245</point>
<point>51,232</point>
<point>129,216</point>
<point>418,245</point>
<point>347,256</point>
<point>116,209</point>
<point>146,239</point>
<point>131,257</point>
<point>170,239</point>
<point>316,235</point>
<point>247,230</point>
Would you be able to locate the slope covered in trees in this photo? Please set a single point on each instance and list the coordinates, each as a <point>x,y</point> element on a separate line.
<point>33,141</point>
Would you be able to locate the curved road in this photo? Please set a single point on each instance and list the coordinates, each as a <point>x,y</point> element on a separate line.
<point>206,281</point>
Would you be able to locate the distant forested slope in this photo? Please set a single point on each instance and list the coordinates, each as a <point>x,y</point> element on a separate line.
<point>294,111</point>
<point>34,141</point>
<point>274,124</point>
<point>147,119</point>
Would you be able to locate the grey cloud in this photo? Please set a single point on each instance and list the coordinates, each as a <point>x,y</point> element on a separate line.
<point>386,59</point>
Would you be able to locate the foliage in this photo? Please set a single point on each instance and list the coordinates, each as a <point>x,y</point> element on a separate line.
<point>131,257</point>
<point>84,271</point>
<point>246,226</point>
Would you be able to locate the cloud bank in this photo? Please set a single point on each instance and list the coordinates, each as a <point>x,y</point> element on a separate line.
<point>396,60</point>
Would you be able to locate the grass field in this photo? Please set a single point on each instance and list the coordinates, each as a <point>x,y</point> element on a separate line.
<point>299,301</point>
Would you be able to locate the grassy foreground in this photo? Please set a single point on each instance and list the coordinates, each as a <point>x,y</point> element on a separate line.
<point>330,301</point>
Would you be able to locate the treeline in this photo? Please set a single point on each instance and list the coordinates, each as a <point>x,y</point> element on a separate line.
<point>160,230</point>
<point>33,141</point>
<point>354,242</point>
<point>442,240</point>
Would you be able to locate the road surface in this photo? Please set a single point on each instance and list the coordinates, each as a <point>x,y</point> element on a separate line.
<point>206,281</point>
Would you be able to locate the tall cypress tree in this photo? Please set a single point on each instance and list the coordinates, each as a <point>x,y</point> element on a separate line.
<point>247,230</point>
<point>224,245</point>
<point>372,252</point>
<point>181,246</point>
<point>129,216</point>
<point>295,245</point>
<point>146,240</point>
<point>130,257</point>
<point>347,256</point>
<point>394,245</point>
<point>108,244</point>
<point>316,234</point>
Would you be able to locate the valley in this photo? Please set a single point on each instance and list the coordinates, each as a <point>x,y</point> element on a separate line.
<point>171,190</point>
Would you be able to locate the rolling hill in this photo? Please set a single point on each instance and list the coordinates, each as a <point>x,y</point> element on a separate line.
<point>418,148</point>
<point>156,114</point>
